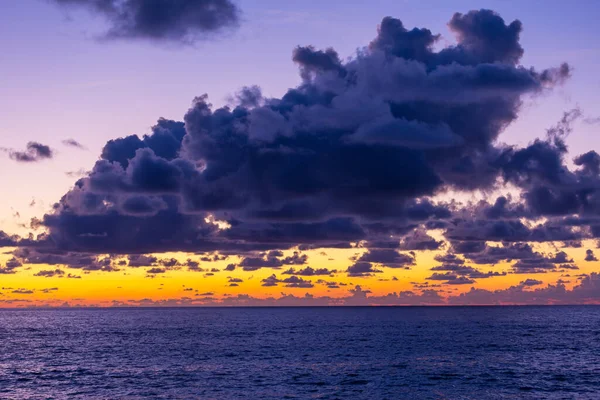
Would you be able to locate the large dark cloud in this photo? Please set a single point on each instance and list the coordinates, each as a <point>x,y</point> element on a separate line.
<point>179,21</point>
<point>350,157</point>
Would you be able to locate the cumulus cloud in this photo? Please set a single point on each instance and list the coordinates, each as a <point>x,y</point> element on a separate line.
<point>352,154</point>
<point>590,256</point>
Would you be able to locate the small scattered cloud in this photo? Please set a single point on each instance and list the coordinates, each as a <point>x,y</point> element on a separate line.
<point>590,256</point>
<point>74,143</point>
<point>50,273</point>
<point>33,152</point>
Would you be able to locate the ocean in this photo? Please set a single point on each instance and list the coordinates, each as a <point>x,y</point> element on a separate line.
<point>301,353</point>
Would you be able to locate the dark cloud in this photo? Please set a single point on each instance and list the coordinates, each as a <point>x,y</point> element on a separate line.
<point>451,278</point>
<point>34,152</point>
<point>560,257</point>
<point>84,261</point>
<point>313,61</point>
<point>538,265</point>
<point>193,266</point>
<point>526,259</point>
<point>590,256</point>
<point>587,291</point>
<point>463,271</point>
<point>387,257</point>
<point>589,163</point>
<point>420,241</point>
<point>272,259</point>
<point>50,273</point>
<point>531,282</point>
<point>507,252</point>
<point>22,291</point>
<point>330,284</point>
<point>296,282</point>
<point>362,268</point>
<point>270,281</point>
<point>13,263</point>
<point>549,187</point>
<point>141,260</point>
<point>511,231</point>
<point>468,247</point>
<point>175,21</point>
<point>213,257</point>
<point>248,97</point>
<point>308,271</point>
<point>485,36</point>
<point>449,259</point>
<point>74,143</point>
<point>574,244</point>
<point>142,205</point>
<point>230,267</point>
<point>503,208</point>
<point>169,262</point>
<point>353,154</point>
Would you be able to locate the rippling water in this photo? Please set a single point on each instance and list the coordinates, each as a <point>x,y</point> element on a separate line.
<point>318,353</point>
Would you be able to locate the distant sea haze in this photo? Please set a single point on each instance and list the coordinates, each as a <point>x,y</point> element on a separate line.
<point>546,352</point>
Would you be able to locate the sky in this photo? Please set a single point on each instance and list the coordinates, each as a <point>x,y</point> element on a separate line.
<point>298,153</point>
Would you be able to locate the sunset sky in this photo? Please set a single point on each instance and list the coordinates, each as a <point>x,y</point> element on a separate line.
<point>299,153</point>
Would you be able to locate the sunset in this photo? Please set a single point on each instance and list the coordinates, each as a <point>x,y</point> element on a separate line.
<point>224,154</point>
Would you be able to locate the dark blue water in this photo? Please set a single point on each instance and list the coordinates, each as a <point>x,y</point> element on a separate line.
<point>304,353</point>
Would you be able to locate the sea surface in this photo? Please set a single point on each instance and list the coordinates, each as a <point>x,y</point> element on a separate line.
<point>301,353</point>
